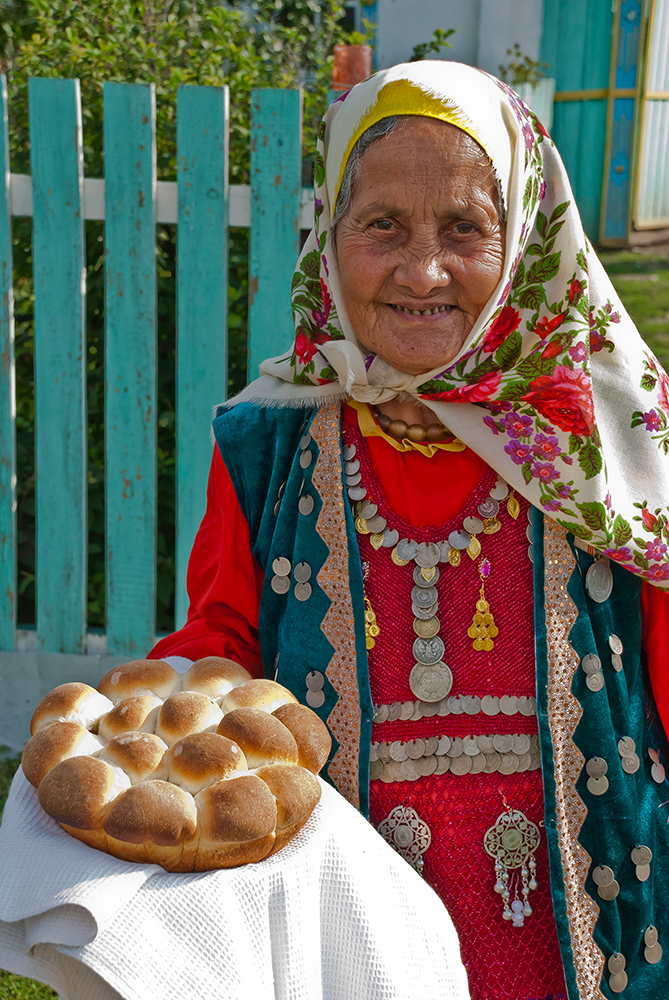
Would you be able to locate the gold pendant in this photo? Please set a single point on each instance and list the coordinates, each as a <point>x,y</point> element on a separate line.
<point>361,526</point>
<point>454,557</point>
<point>513,506</point>
<point>427,572</point>
<point>377,540</point>
<point>491,526</point>
<point>398,559</point>
<point>483,629</point>
<point>372,630</point>
<point>474,548</point>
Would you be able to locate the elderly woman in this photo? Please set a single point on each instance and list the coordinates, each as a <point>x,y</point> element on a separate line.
<point>432,520</point>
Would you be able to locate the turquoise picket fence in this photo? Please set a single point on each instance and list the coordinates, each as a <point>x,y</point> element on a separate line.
<point>130,201</point>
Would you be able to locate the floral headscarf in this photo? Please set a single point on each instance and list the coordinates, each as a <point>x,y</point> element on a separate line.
<point>554,387</point>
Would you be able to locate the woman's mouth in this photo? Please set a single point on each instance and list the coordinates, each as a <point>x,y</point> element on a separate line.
<point>419,312</point>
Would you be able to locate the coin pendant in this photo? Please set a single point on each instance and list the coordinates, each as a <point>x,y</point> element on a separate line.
<point>424,613</point>
<point>361,526</point>
<point>407,549</point>
<point>591,664</point>
<point>609,891</point>
<point>280,584</point>
<point>599,581</point>
<point>430,682</point>
<point>428,651</point>
<point>595,682</point>
<point>454,557</point>
<point>397,559</point>
<point>424,597</point>
<point>426,629</point>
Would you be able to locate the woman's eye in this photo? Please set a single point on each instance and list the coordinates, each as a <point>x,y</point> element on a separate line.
<point>383,224</point>
<point>466,228</point>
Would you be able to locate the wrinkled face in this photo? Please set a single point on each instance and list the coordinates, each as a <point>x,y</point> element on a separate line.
<point>421,248</point>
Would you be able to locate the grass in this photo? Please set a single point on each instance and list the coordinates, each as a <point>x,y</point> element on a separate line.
<point>641,278</point>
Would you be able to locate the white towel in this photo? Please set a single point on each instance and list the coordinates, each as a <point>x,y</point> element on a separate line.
<point>335,915</point>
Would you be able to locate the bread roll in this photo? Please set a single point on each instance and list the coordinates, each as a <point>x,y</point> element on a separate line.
<point>214,676</point>
<point>312,736</point>
<point>152,822</point>
<point>76,793</point>
<point>267,695</point>
<point>297,794</point>
<point>140,755</point>
<point>132,715</point>
<point>140,677</point>
<point>73,702</point>
<point>237,823</point>
<point>187,712</point>
<point>202,759</point>
<point>54,743</point>
<point>263,738</point>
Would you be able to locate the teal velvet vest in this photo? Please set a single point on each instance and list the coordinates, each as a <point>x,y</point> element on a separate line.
<point>273,457</point>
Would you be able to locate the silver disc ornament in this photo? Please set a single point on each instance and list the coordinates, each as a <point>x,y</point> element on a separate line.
<point>431,681</point>
<point>599,581</point>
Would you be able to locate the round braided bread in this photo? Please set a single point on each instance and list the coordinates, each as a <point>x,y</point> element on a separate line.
<point>196,771</point>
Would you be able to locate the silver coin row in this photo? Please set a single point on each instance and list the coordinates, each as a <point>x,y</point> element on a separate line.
<point>455,746</point>
<point>412,711</point>
<point>423,767</point>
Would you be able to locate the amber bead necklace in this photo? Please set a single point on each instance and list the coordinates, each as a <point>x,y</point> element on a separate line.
<point>400,429</point>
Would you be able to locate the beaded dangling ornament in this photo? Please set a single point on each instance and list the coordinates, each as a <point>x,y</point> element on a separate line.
<point>512,842</point>
<point>483,629</point>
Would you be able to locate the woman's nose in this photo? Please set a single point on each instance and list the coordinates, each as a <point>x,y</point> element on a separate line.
<point>422,272</point>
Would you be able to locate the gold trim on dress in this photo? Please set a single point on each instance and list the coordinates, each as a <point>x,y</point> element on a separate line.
<point>338,626</point>
<point>564,713</point>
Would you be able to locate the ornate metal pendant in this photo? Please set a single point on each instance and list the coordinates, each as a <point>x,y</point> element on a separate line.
<point>512,842</point>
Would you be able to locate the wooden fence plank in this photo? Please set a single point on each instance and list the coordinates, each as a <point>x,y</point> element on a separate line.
<point>7,400</point>
<point>276,185</point>
<point>56,155</point>
<point>130,366</point>
<point>202,303</point>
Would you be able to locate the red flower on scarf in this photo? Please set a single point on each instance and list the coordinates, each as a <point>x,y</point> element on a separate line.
<point>564,398</point>
<point>553,349</point>
<point>648,519</point>
<point>500,328</point>
<point>481,390</point>
<point>575,291</point>
<point>663,390</point>
<point>545,326</point>
<point>304,347</point>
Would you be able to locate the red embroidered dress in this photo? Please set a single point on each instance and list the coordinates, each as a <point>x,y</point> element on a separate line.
<point>501,960</point>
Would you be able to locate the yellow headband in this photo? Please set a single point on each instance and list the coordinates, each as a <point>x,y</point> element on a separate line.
<point>401,97</point>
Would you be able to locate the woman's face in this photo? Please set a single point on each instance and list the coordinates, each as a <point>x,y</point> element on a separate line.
<point>421,248</point>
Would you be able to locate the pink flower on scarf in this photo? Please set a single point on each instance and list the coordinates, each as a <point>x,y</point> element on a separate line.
<point>564,398</point>
<point>304,347</point>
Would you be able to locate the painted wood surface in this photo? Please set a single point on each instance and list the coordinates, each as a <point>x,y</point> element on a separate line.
<point>56,155</point>
<point>7,399</point>
<point>276,184</point>
<point>202,304</point>
<point>576,43</point>
<point>652,198</point>
<point>130,366</point>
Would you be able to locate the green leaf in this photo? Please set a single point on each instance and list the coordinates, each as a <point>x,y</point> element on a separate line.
<point>486,368</point>
<point>621,531</point>
<point>640,560</point>
<point>535,249</point>
<point>594,514</point>
<point>527,472</point>
<point>541,224</point>
<point>554,230</point>
<point>519,276</point>
<point>590,460</point>
<point>595,438</point>
<point>532,298</point>
<point>559,210</point>
<point>509,351</point>
<point>648,381</point>
<point>544,269</point>
<point>535,365</point>
<point>581,261</point>
<point>576,529</point>
<point>637,419</point>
